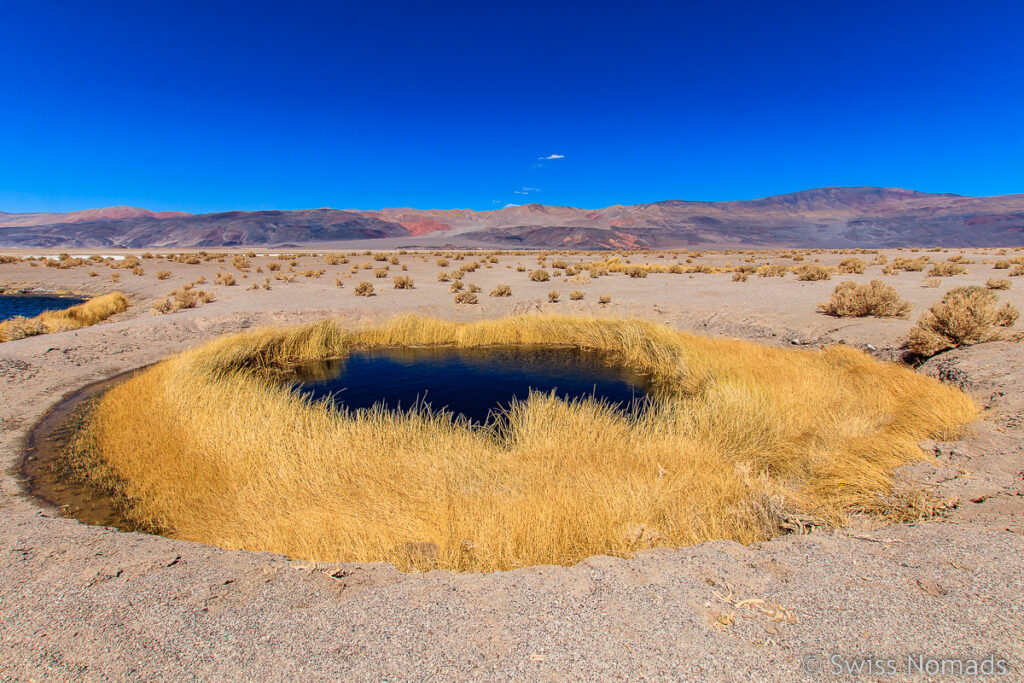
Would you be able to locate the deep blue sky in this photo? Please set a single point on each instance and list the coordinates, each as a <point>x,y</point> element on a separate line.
<point>207,106</point>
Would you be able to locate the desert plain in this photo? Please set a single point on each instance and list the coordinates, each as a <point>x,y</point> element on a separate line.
<point>82,602</point>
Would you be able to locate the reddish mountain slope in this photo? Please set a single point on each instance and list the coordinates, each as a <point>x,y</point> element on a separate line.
<point>825,217</point>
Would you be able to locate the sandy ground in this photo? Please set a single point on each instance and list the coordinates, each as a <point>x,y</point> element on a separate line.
<point>87,603</point>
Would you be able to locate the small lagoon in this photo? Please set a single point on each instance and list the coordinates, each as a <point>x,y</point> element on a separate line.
<point>29,305</point>
<point>474,383</point>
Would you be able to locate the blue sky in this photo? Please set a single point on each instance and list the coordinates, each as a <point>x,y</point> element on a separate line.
<point>214,106</point>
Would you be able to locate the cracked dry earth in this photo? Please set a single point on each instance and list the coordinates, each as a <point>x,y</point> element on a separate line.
<point>80,602</point>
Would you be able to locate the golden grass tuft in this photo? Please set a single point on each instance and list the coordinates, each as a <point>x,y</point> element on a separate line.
<point>84,314</point>
<point>209,446</point>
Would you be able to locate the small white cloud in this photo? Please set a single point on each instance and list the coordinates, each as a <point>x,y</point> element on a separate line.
<point>510,206</point>
<point>526,190</point>
<point>552,156</point>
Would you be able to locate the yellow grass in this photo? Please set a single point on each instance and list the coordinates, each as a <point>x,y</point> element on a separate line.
<point>208,446</point>
<point>84,314</point>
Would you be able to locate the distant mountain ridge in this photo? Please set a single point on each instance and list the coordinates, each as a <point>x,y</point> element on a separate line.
<point>823,217</point>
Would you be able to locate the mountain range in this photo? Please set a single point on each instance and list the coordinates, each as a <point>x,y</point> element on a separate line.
<point>824,217</point>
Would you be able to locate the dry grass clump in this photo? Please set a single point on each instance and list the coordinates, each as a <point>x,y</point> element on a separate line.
<point>772,270</point>
<point>540,276</point>
<point>466,298</point>
<point>849,266</point>
<point>75,317</point>
<point>877,299</point>
<point>501,290</point>
<point>364,289</point>
<point>207,446</point>
<point>812,272</point>
<point>403,282</point>
<point>553,296</point>
<point>965,316</point>
<point>998,283</point>
<point>576,295</point>
<point>604,299</point>
<point>163,274</point>
<point>946,269</point>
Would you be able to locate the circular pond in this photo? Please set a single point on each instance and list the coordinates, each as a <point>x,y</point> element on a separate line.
<point>474,383</point>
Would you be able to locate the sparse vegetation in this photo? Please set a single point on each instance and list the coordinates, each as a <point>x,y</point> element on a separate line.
<point>576,295</point>
<point>966,315</point>
<point>364,289</point>
<point>877,299</point>
<point>553,296</point>
<point>742,439</point>
<point>403,282</point>
<point>946,269</point>
<point>466,298</point>
<point>501,290</point>
<point>998,283</point>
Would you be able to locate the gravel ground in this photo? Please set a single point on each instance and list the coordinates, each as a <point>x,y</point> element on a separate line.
<point>87,603</point>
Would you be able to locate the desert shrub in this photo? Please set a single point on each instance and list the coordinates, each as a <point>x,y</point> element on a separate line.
<point>540,276</point>
<point>1017,271</point>
<point>466,298</point>
<point>739,276</point>
<point>553,296</point>
<point>772,270</point>
<point>364,289</point>
<point>472,288</point>
<point>998,283</point>
<point>851,265</point>
<point>456,286</point>
<point>946,269</point>
<point>812,272</point>
<point>403,282</point>
<point>335,259</point>
<point>636,271</point>
<point>908,264</point>
<point>380,273</point>
<point>442,262</point>
<point>877,299</point>
<point>314,273</point>
<point>501,290</point>
<point>273,266</point>
<point>339,282</point>
<point>576,295</point>
<point>604,299</point>
<point>965,316</point>
<point>163,274</point>
<point>226,279</point>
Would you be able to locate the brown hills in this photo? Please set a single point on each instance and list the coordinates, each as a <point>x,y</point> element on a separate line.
<point>824,217</point>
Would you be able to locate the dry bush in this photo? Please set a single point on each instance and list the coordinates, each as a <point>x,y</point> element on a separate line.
<point>741,439</point>
<point>965,316</point>
<point>380,273</point>
<point>456,286</point>
<point>998,283</point>
<point>273,267</point>
<point>576,295</point>
<point>501,290</point>
<point>335,259</point>
<point>364,289</point>
<point>466,298</point>
<point>946,269</point>
<point>314,273</point>
<point>403,282</point>
<point>636,271</point>
<point>226,279</point>
<point>604,299</point>
<point>851,265</point>
<point>473,288</point>
<point>812,272</point>
<point>772,270</point>
<point>553,296</point>
<point>877,299</point>
<point>75,317</point>
<point>739,276</point>
<point>163,274</point>
<point>540,276</point>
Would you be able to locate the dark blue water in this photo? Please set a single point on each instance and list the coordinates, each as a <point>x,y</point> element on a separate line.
<point>468,382</point>
<point>31,305</point>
